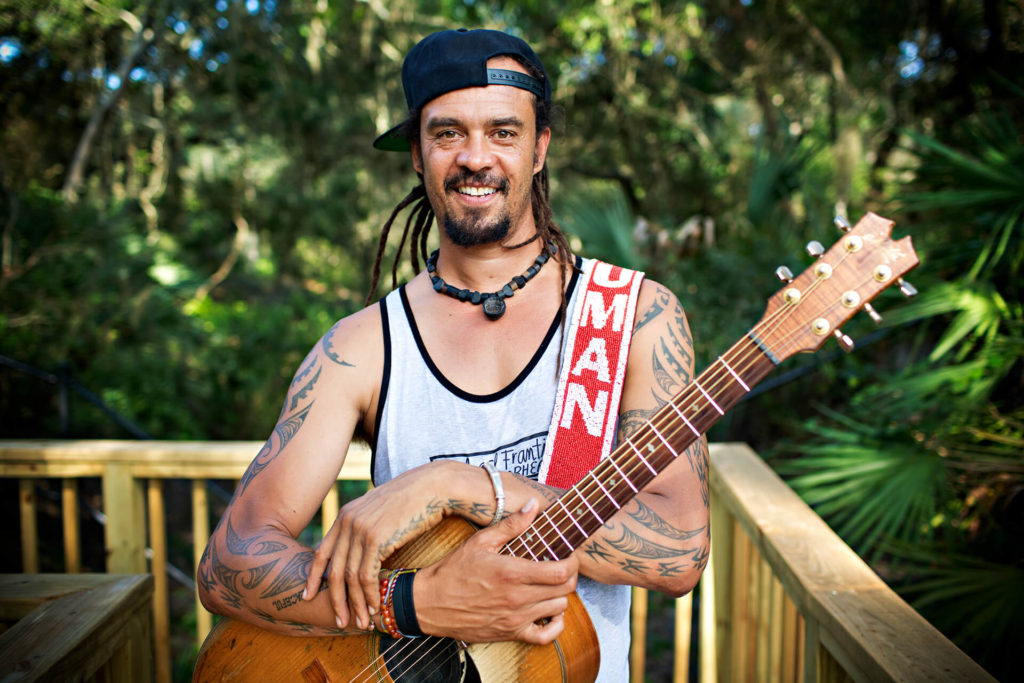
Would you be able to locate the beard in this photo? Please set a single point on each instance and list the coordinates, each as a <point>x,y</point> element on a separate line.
<point>474,228</point>
<point>471,231</point>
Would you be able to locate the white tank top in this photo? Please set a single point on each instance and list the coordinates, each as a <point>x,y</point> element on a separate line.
<point>423,417</point>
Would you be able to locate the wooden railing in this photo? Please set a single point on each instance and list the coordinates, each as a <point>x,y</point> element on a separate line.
<point>782,599</point>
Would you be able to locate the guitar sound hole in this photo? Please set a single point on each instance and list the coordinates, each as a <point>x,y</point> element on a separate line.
<point>426,660</point>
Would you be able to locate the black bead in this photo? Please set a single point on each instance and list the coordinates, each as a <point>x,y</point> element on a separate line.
<point>494,307</point>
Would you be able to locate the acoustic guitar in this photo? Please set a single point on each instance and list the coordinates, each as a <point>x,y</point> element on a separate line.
<point>798,318</point>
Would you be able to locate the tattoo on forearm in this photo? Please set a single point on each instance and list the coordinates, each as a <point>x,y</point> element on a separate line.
<point>328,346</point>
<point>549,494</point>
<point>283,433</point>
<point>697,455</point>
<point>670,568</point>
<point>253,545</point>
<point>597,552</point>
<point>656,523</point>
<point>634,545</point>
<point>257,574</point>
<point>700,558</point>
<point>225,578</point>
<point>293,574</point>
<point>288,600</point>
<point>631,566</point>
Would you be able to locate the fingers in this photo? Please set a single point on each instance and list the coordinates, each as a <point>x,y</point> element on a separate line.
<point>321,559</point>
<point>544,632</point>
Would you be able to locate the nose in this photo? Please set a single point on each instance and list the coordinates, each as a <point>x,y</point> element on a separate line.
<point>475,154</point>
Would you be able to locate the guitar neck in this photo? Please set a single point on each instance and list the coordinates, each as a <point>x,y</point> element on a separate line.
<point>798,318</point>
<point>584,508</point>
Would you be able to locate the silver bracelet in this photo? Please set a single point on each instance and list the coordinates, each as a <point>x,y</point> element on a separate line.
<point>499,493</point>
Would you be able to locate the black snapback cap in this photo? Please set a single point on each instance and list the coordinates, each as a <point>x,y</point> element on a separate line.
<point>456,59</point>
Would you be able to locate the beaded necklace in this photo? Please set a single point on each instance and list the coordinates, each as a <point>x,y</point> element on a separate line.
<point>494,302</point>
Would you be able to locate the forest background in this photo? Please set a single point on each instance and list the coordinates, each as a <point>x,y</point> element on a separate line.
<point>189,200</point>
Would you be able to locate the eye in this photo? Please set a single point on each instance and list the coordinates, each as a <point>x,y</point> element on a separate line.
<point>447,134</point>
<point>504,134</point>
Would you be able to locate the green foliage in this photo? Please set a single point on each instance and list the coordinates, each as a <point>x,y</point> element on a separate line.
<point>188,200</point>
<point>918,472</point>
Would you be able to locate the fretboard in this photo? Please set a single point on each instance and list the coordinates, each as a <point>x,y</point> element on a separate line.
<point>584,508</point>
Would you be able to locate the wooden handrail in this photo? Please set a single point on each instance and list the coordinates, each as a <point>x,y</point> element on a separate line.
<point>782,598</point>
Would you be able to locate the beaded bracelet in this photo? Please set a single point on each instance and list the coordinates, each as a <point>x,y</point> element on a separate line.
<point>387,590</point>
<point>402,606</point>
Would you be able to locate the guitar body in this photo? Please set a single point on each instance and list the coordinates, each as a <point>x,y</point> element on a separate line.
<point>237,651</point>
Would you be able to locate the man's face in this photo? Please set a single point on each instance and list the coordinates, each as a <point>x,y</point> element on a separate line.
<point>478,153</point>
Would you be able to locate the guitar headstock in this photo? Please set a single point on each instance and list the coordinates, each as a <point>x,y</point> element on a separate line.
<point>812,306</point>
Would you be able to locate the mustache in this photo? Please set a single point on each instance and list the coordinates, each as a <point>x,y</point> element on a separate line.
<point>466,178</point>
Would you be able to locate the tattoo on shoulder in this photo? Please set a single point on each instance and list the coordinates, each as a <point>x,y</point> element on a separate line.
<point>330,350</point>
<point>654,310</point>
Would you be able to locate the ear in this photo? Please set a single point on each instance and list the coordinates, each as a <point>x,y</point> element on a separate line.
<point>540,150</point>
<point>417,158</point>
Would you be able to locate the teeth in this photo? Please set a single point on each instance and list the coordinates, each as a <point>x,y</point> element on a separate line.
<point>477,191</point>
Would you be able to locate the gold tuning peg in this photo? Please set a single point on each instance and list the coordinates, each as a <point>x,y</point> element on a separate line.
<point>845,343</point>
<point>907,289</point>
<point>873,314</point>
<point>842,223</point>
<point>815,249</point>
<point>784,274</point>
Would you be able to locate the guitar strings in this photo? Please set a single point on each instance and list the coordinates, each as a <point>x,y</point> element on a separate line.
<point>713,384</point>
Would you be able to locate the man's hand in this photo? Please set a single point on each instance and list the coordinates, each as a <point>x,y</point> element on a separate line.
<point>476,595</point>
<point>366,532</point>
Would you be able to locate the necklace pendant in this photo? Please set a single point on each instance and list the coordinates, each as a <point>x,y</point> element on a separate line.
<point>494,307</point>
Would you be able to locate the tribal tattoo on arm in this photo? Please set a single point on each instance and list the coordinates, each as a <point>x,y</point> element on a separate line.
<point>640,541</point>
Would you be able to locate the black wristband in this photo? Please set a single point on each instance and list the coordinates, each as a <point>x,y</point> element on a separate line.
<point>405,611</point>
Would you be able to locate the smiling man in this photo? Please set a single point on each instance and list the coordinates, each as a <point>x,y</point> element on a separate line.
<point>491,382</point>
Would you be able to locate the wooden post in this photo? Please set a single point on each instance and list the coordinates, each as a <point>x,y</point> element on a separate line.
<point>29,531</point>
<point>812,645</point>
<point>708,622</point>
<point>740,605</point>
<point>764,614</point>
<point>72,532</point>
<point>790,642</point>
<point>721,597</point>
<point>329,509</point>
<point>681,654</point>
<point>200,536</point>
<point>124,508</point>
<point>638,640</point>
<point>161,593</point>
<point>775,630</point>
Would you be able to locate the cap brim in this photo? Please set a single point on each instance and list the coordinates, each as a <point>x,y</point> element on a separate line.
<point>392,141</point>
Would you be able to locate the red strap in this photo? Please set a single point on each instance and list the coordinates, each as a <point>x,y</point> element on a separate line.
<point>586,410</point>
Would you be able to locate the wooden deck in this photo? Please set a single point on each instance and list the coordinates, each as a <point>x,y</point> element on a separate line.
<point>782,599</point>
